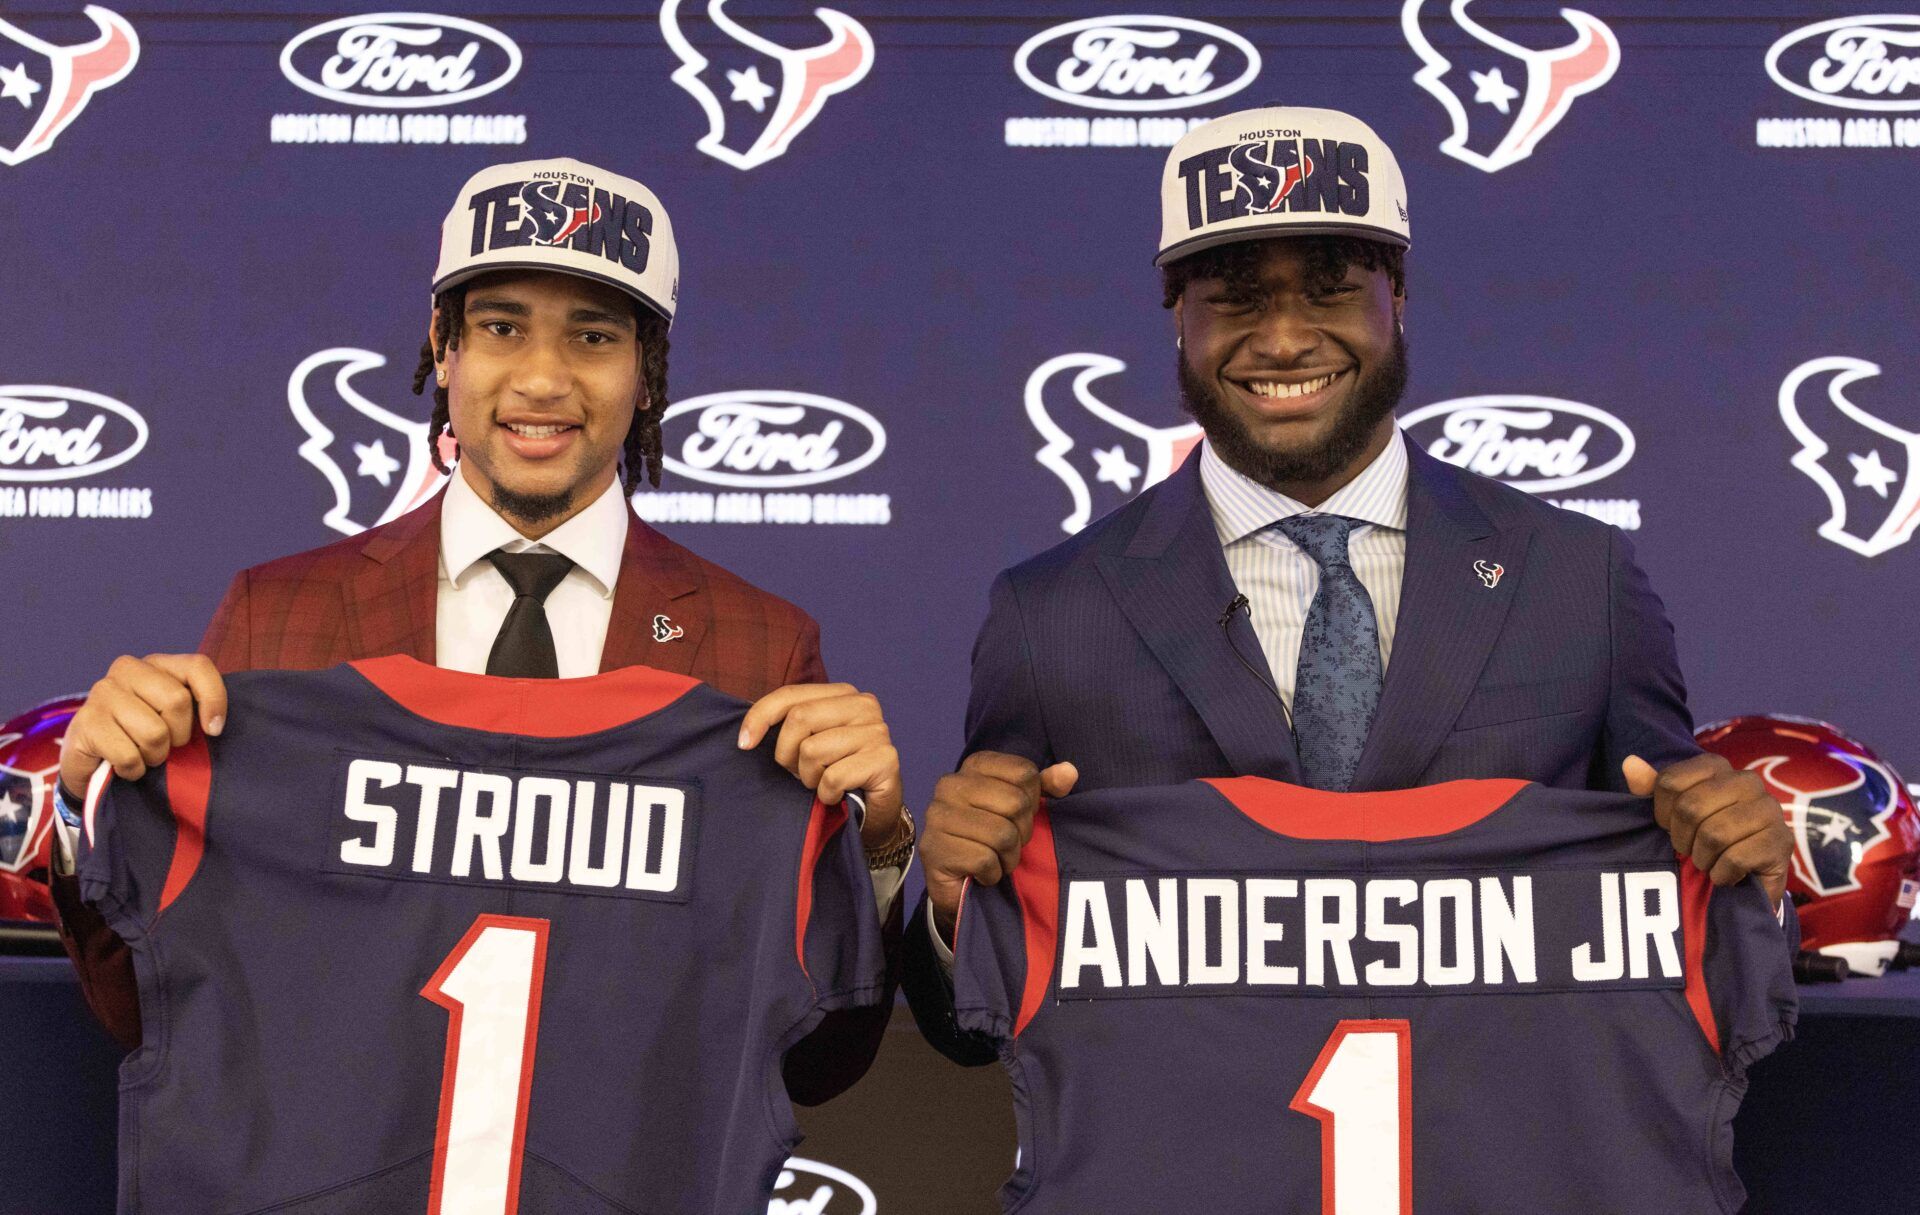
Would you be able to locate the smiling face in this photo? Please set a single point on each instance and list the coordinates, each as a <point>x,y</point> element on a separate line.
<point>1292,362</point>
<point>542,388</point>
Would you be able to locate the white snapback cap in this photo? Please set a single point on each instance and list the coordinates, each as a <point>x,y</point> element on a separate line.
<point>1279,171</point>
<point>562,215</point>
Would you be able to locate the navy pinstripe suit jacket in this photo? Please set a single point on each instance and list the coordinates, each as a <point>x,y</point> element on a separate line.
<point>1108,651</point>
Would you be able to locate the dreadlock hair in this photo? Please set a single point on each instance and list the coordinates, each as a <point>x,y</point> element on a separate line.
<point>1238,264</point>
<point>643,444</point>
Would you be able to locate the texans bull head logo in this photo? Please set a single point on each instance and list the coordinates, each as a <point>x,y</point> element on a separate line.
<point>757,94</point>
<point>374,459</point>
<point>1266,184</point>
<point>1517,94</point>
<point>554,222</point>
<point>1836,812</point>
<point>21,822</point>
<point>44,87</point>
<point>1868,469</point>
<point>1084,436</point>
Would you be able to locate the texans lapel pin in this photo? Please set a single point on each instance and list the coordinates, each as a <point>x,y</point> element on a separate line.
<point>666,630</point>
<point>1489,573</point>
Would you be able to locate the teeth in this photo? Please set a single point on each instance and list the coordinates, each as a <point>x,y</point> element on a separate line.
<point>1270,388</point>
<point>534,432</point>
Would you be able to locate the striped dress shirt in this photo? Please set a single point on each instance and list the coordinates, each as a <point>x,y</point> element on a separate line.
<point>1279,580</point>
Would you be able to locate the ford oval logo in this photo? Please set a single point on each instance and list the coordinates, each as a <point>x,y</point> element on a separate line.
<point>400,61</point>
<point>768,439</point>
<point>1532,443</point>
<point>1137,63</point>
<point>48,433</point>
<point>807,1187</point>
<point>1855,63</point>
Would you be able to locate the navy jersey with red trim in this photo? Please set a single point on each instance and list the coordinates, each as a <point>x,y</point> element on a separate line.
<point>414,940</point>
<point>1484,997</point>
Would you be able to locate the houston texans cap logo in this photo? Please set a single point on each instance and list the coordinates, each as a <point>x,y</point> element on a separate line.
<point>1836,814</point>
<point>1515,94</point>
<point>1869,469</point>
<point>44,87</point>
<point>556,216</point>
<point>374,460</point>
<point>1489,572</point>
<point>562,215</point>
<point>1103,456</point>
<point>758,95</point>
<point>666,630</point>
<point>1279,171</point>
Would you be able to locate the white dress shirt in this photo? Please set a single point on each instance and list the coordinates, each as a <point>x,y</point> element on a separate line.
<point>474,596</point>
<point>1279,579</point>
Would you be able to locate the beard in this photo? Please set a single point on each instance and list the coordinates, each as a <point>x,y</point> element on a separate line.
<point>531,508</point>
<point>1375,395</point>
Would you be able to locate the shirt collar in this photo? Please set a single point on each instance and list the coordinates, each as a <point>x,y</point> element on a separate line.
<point>594,540</point>
<point>1242,506</point>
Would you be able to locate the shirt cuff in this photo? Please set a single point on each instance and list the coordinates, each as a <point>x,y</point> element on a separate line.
<point>941,949</point>
<point>886,886</point>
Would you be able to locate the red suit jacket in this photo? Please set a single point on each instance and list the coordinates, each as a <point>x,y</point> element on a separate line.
<point>376,593</point>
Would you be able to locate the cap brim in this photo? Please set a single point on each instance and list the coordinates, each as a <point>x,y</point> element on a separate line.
<point>1207,240</point>
<point>473,272</point>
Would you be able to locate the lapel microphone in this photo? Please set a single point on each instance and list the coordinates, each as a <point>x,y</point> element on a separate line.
<point>1239,603</point>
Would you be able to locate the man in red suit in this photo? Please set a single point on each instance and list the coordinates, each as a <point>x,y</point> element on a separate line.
<point>548,349</point>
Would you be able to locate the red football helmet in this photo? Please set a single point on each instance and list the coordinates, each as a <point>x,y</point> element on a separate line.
<point>29,765</point>
<point>1856,832</point>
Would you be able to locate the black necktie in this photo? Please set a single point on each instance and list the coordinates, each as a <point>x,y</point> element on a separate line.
<point>524,648</point>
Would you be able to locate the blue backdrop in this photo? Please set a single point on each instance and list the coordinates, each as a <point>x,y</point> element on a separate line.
<point>875,269</point>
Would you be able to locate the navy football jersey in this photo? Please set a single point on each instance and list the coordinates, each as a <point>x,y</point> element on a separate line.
<point>1477,998</point>
<point>410,940</point>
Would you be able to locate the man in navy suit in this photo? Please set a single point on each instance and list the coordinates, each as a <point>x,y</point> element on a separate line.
<point>1309,598</point>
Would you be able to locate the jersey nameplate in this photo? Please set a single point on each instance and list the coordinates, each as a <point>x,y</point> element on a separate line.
<point>436,822</point>
<point>1300,934</point>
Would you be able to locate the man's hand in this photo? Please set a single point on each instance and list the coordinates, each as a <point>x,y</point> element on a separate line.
<point>979,819</point>
<point>1724,819</point>
<point>833,737</point>
<point>140,712</point>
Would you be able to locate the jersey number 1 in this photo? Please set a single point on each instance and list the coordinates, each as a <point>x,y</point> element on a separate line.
<point>490,987</point>
<point>1361,1090</point>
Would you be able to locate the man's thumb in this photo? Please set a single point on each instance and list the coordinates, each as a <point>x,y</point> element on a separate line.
<point>1058,781</point>
<point>1640,776</point>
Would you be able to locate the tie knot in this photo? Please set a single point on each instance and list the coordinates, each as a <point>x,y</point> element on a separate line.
<point>1322,537</point>
<point>531,575</point>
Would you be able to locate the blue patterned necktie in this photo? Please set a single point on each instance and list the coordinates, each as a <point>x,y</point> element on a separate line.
<point>1337,685</point>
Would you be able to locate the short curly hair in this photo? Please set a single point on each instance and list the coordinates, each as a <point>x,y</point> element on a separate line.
<point>643,444</point>
<point>1238,264</point>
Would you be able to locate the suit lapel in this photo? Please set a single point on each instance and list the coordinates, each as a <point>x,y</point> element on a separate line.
<point>1172,581</point>
<point>390,606</point>
<point>656,580</point>
<point>1449,621</point>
